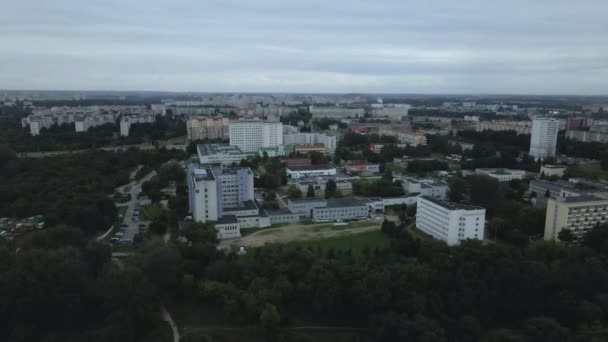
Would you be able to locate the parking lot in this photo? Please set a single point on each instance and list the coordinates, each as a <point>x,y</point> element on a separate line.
<point>131,224</point>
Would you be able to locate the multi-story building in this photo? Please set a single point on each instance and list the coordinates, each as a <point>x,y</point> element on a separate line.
<point>250,136</point>
<point>541,190</point>
<point>426,187</point>
<point>394,112</point>
<point>450,222</point>
<point>327,140</point>
<point>543,141</point>
<point>412,138</point>
<point>297,172</point>
<point>521,127</point>
<point>336,112</point>
<point>305,149</point>
<point>578,214</point>
<point>225,197</point>
<point>220,154</point>
<point>207,128</point>
<point>502,175</point>
<point>127,120</point>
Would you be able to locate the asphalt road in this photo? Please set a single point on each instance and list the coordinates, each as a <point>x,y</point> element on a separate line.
<point>133,227</point>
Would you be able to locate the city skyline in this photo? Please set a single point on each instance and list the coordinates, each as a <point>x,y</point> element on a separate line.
<point>474,47</point>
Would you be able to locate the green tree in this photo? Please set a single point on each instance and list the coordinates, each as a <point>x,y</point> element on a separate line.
<point>457,189</point>
<point>330,188</point>
<point>310,191</point>
<point>566,236</point>
<point>270,321</point>
<point>293,192</point>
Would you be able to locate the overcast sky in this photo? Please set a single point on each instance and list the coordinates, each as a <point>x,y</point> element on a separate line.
<point>430,46</point>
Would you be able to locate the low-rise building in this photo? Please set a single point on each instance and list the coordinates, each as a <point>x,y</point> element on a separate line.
<point>425,187</point>
<point>296,172</point>
<point>579,214</point>
<point>296,162</point>
<point>553,170</point>
<point>341,209</point>
<point>223,154</point>
<point>502,175</point>
<point>320,148</point>
<point>450,222</point>
<point>360,166</point>
<point>319,184</point>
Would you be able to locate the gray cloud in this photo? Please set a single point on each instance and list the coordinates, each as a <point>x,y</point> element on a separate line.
<point>435,46</point>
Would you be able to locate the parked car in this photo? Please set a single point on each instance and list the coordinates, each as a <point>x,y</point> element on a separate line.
<point>119,234</point>
<point>125,241</point>
<point>124,226</point>
<point>114,240</point>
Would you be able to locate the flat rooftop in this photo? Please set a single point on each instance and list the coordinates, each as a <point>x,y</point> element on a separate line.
<point>452,205</point>
<point>227,219</point>
<point>344,202</point>
<point>311,167</point>
<point>211,149</point>
<point>580,199</point>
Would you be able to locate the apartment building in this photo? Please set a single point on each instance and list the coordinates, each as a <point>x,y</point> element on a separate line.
<point>578,214</point>
<point>207,128</point>
<point>543,142</point>
<point>412,138</point>
<point>521,127</point>
<point>127,120</point>
<point>223,154</point>
<point>335,112</point>
<point>450,222</point>
<point>249,136</point>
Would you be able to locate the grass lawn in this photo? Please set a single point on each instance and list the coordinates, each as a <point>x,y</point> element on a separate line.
<point>151,212</point>
<point>355,242</point>
<point>588,171</point>
<point>176,141</point>
<point>249,231</point>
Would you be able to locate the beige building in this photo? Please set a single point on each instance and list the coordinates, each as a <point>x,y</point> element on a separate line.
<point>204,127</point>
<point>579,214</point>
<point>521,127</point>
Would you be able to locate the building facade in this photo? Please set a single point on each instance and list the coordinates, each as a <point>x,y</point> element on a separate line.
<point>207,128</point>
<point>543,142</point>
<point>578,214</point>
<point>502,175</point>
<point>297,172</point>
<point>450,222</point>
<point>250,136</point>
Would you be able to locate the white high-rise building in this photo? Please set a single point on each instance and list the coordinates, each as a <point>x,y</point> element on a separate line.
<point>544,137</point>
<point>224,196</point>
<point>249,136</point>
<point>450,222</point>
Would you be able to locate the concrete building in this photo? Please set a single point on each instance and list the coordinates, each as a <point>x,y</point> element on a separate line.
<point>502,175</point>
<point>425,187</point>
<point>319,184</point>
<point>220,154</point>
<point>297,172</point>
<point>360,166</point>
<point>450,222</point>
<point>412,138</point>
<point>541,190</point>
<point>127,120</point>
<point>207,128</point>
<point>158,109</point>
<point>335,112</point>
<point>578,214</point>
<point>520,127</point>
<point>328,141</point>
<point>225,197</point>
<point>543,142</point>
<point>393,112</point>
<point>553,170</point>
<point>305,149</point>
<point>249,136</point>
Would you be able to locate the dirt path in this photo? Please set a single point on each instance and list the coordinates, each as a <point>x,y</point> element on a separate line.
<point>301,232</point>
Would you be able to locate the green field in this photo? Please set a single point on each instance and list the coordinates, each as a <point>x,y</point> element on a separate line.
<point>355,242</point>
<point>151,212</point>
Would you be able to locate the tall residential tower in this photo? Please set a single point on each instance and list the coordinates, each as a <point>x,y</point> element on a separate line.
<point>544,138</point>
